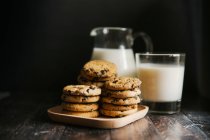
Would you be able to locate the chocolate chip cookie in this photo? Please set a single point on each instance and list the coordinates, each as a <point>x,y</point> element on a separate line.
<point>113,113</point>
<point>82,90</point>
<point>79,107</point>
<point>89,114</point>
<point>118,101</point>
<point>123,83</point>
<point>80,99</point>
<point>113,107</point>
<point>121,93</point>
<point>82,80</point>
<point>99,69</point>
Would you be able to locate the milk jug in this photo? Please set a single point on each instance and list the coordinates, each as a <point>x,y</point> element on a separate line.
<point>115,45</point>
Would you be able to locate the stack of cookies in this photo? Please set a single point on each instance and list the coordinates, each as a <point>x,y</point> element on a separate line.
<point>81,100</point>
<point>120,97</point>
<point>96,72</point>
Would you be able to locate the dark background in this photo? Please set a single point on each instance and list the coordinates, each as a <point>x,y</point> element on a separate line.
<point>44,43</point>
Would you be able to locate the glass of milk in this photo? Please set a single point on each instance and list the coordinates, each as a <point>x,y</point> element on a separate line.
<point>115,44</point>
<point>162,78</point>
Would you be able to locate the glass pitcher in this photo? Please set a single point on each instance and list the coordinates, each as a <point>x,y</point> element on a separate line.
<point>115,45</point>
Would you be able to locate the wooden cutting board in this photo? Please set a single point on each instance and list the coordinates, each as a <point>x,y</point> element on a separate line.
<point>55,113</point>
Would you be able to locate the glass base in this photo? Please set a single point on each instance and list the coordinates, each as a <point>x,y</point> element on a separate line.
<point>163,107</point>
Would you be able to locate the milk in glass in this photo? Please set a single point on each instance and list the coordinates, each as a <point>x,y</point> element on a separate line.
<point>161,83</point>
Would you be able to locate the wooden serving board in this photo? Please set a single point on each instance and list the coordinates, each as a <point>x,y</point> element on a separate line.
<point>55,113</point>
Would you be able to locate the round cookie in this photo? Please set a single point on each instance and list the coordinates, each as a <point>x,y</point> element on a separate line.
<point>84,81</point>
<point>99,68</point>
<point>122,83</point>
<point>117,113</point>
<point>118,107</point>
<point>93,78</point>
<point>121,93</point>
<point>79,107</point>
<point>118,101</point>
<point>82,90</point>
<point>89,114</point>
<point>80,99</point>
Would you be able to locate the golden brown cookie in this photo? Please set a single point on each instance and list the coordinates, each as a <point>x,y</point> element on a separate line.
<point>112,113</point>
<point>84,81</point>
<point>118,101</point>
<point>80,99</point>
<point>118,107</point>
<point>121,93</point>
<point>99,68</point>
<point>123,83</point>
<point>89,114</point>
<point>94,78</point>
<point>79,107</point>
<point>81,90</point>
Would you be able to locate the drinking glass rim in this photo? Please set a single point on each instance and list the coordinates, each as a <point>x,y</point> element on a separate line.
<point>106,29</point>
<point>113,28</point>
<point>161,54</point>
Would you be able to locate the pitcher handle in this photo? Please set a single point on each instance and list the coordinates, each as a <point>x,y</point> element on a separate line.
<point>147,40</point>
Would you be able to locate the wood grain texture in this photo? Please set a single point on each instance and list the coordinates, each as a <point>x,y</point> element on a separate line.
<point>23,116</point>
<point>177,126</point>
<point>200,119</point>
<point>141,129</point>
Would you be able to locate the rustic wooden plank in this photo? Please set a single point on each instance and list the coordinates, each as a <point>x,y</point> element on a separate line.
<point>36,126</point>
<point>25,117</point>
<point>13,113</point>
<point>146,129</point>
<point>18,122</point>
<point>177,126</point>
<point>200,119</point>
<point>198,111</point>
<point>33,130</point>
<point>85,133</point>
<point>141,129</point>
<point>123,133</point>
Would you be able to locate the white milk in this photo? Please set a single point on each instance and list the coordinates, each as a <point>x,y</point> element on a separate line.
<point>161,83</point>
<point>123,58</point>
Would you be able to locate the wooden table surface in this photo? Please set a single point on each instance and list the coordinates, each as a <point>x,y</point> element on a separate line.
<point>24,116</point>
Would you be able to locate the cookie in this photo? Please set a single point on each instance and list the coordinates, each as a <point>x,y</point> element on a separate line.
<point>84,81</point>
<point>80,99</point>
<point>121,93</point>
<point>118,107</point>
<point>89,114</point>
<point>123,83</point>
<point>94,78</point>
<point>118,101</point>
<point>82,90</point>
<point>79,107</point>
<point>99,68</point>
<point>112,113</point>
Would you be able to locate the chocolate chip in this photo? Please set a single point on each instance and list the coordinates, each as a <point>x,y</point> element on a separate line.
<point>115,100</point>
<point>103,72</point>
<point>87,90</point>
<point>106,70</point>
<point>84,98</point>
<point>92,87</point>
<point>115,81</point>
<point>91,69</point>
